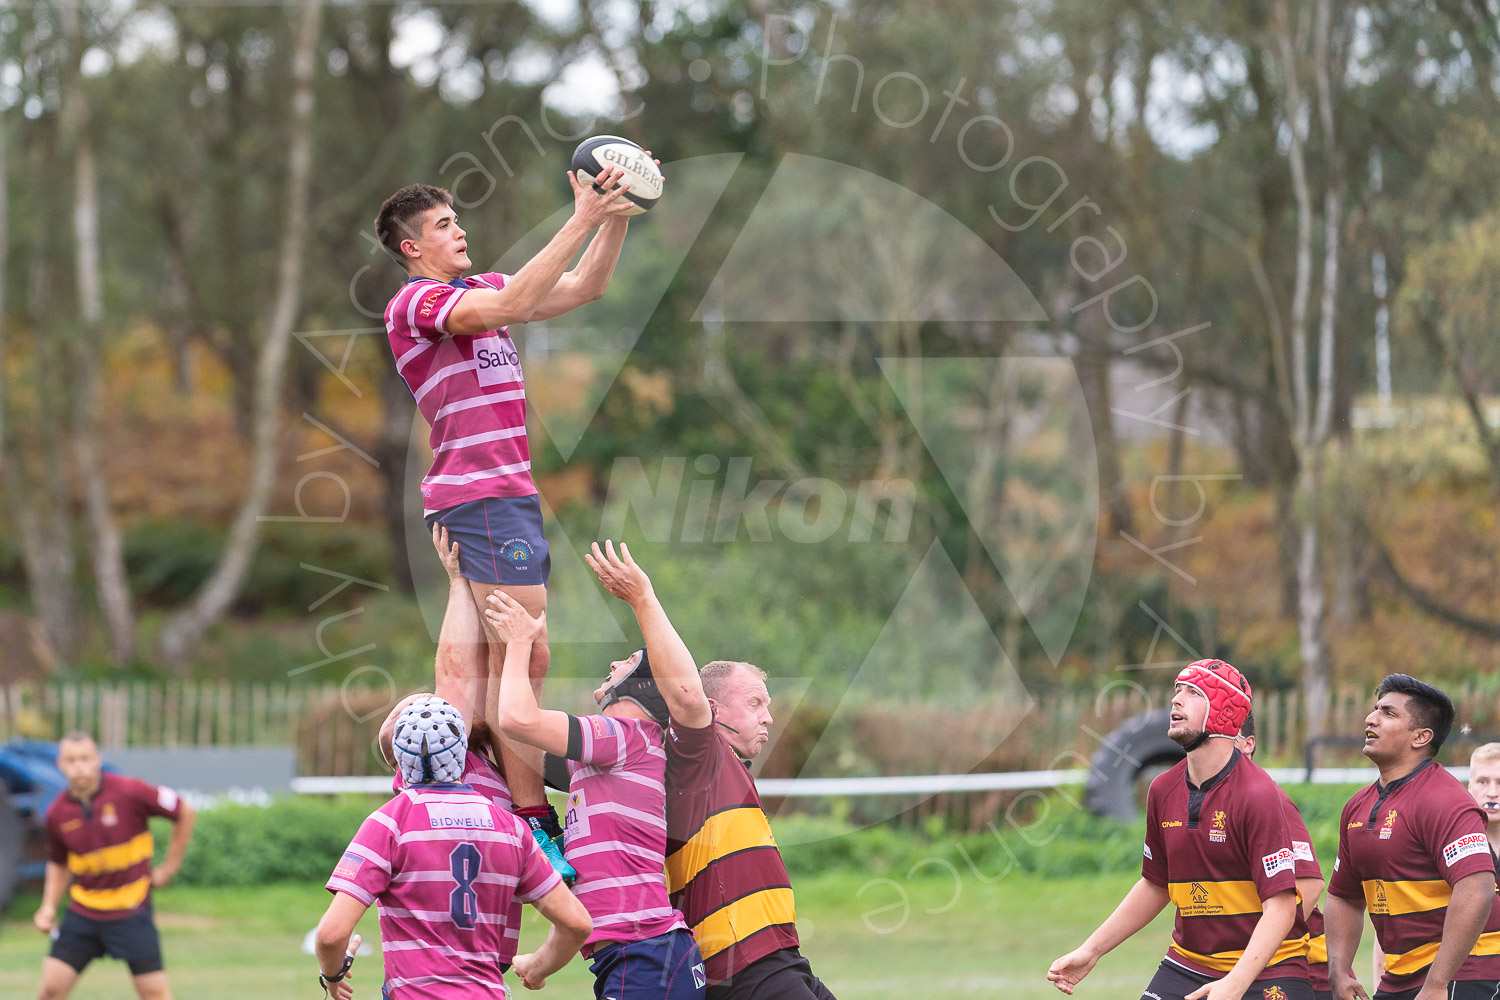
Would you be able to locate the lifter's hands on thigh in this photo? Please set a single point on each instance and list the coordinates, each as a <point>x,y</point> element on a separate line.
<point>447,554</point>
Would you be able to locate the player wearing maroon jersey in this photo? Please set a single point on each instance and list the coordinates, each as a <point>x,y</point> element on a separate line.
<point>98,840</point>
<point>450,339</point>
<point>1309,875</point>
<point>1412,850</point>
<point>1219,848</point>
<point>724,871</point>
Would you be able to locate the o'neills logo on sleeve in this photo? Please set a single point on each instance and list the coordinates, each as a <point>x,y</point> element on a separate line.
<point>1474,843</point>
<point>1281,861</point>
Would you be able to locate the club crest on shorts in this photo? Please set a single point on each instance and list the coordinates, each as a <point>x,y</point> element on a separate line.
<point>517,551</point>
<point>700,977</point>
<point>1274,993</point>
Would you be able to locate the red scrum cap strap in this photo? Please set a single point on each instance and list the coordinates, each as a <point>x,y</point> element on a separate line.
<point>1227,692</point>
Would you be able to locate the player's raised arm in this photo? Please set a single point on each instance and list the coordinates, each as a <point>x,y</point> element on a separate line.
<point>462,654</point>
<point>671,663</point>
<point>481,310</point>
<point>590,279</point>
<point>521,718</point>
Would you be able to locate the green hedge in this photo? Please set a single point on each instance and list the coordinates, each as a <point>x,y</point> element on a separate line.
<point>300,839</point>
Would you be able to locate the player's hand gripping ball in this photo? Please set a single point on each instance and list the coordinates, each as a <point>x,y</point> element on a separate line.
<point>594,156</point>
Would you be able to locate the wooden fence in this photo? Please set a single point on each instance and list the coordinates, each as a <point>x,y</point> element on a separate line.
<point>334,728</point>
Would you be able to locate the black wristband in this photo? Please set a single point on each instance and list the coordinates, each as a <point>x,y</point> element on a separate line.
<point>338,976</point>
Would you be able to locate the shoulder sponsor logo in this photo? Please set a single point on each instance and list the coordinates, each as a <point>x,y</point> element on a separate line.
<point>1336,861</point>
<point>1474,843</point>
<point>1168,824</point>
<point>600,726</point>
<point>429,303</point>
<point>1302,851</point>
<point>348,866</point>
<point>1281,861</point>
<point>460,816</point>
<point>166,798</point>
<point>1147,848</point>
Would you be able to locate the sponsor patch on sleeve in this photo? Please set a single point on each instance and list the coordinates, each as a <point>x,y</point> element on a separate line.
<point>1149,856</point>
<point>1281,861</point>
<point>1474,843</point>
<point>348,866</point>
<point>166,798</point>
<point>1336,860</point>
<point>1302,850</point>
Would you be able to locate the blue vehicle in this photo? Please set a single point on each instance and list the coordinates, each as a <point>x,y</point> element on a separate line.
<point>29,781</point>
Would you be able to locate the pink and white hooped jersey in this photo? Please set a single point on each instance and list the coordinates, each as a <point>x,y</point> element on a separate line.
<point>444,867</point>
<point>615,830</point>
<point>485,778</point>
<point>470,389</point>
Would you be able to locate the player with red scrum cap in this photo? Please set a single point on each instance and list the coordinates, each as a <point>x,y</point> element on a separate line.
<point>1219,848</point>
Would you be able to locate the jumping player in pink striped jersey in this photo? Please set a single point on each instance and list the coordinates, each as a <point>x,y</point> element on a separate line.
<point>450,338</point>
<point>443,865</point>
<point>616,828</point>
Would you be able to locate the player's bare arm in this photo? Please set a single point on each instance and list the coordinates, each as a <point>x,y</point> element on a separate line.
<point>590,279</point>
<point>461,665</point>
<point>1468,909</point>
<point>1343,921</point>
<point>571,926</point>
<point>671,663</point>
<point>182,835</point>
<point>481,310</point>
<point>1139,907</point>
<point>336,944</point>
<point>520,717</point>
<point>1277,916</point>
<point>54,885</point>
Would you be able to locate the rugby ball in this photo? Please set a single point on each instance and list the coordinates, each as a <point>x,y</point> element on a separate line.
<point>594,156</point>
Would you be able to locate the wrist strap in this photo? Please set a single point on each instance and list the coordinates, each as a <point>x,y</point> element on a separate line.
<point>337,977</point>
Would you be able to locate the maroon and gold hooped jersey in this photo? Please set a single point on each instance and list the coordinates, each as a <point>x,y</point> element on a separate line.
<point>1220,850</point>
<point>1401,849</point>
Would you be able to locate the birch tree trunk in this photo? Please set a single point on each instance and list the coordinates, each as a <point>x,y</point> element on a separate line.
<point>185,628</point>
<point>105,550</point>
<point>1312,413</point>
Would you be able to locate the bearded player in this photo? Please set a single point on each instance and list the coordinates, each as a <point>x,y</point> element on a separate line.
<point>450,338</point>
<point>1219,848</point>
<point>445,865</point>
<point>1413,851</point>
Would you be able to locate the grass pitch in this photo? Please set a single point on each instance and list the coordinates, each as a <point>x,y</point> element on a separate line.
<point>943,933</point>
